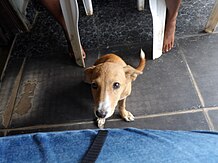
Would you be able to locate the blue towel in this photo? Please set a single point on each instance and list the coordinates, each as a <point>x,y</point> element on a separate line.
<point>121,145</point>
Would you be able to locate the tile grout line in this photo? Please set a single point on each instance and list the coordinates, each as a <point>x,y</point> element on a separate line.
<point>211,126</point>
<point>211,108</point>
<point>168,114</point>
<point>160,115</point>
<point>9,55</point>
<point>140,43</point>
<point>7,115</point>
<point>209,122</point>
<point>195,35</point>
<point>46,126</point>
<point>192,79</point>
<point>92,121</point>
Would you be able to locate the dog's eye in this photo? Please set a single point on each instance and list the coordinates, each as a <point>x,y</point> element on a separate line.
<point>116,85</point>
<point>94,86</point>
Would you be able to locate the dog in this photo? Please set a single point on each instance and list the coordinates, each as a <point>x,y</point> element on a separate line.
<point>111,78</point>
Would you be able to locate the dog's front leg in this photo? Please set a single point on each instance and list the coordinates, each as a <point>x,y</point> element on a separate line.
<point>123,112</point>
<point>101,122</point>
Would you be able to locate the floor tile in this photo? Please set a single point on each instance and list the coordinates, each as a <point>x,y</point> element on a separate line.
<point>31,12</point>
<point>193,16</point>
<point>201,55</point>
<point>88,28</point>
<point>129,50</point>
<point>119,22</point>
<point>4,51</point>
<point>114,23</point>
<point>52,91</point>
<point>164,86</point>
<point>188,121</point>
<point>213,116</point>
<point>8,81</point>
<point>45,37</point>
<point>185,121</point>
<point>7,85</point>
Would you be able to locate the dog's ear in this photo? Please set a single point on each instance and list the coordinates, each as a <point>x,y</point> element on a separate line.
<point>131,73</point>
<point>88,73</point>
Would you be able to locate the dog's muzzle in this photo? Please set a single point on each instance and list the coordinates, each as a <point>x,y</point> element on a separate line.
<point>101,113</point>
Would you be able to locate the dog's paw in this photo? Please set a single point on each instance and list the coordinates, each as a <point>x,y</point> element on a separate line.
<point>101,122</point>
<point>127,116</point>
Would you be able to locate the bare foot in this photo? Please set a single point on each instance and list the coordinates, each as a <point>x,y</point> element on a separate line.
<point>169,35</point>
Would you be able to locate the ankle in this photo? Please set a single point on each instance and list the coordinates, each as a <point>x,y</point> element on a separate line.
<point>171,16</point>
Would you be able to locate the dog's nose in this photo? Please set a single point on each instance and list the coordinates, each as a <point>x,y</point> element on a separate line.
<point>101,114</point>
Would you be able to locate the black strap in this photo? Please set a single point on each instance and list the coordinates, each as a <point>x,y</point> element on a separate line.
<point>95,149</point>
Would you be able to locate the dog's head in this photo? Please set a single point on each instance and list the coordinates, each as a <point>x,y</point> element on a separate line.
<point>110,82</point>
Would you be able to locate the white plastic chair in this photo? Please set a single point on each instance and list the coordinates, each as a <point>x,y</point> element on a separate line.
<point>213,19</point>
<point>71,16</point>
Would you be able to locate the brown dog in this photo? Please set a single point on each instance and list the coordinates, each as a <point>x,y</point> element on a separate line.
<point>111,79</point>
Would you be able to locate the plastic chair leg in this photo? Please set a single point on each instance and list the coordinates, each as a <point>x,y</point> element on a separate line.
<point>71,16</point>
<point>213,19</point>
<point>158,11</point>
<point>140,5</point>
<point>88,7</point>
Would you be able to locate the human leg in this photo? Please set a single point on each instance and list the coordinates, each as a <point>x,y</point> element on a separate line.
<point>170,27</point>
<point>53,6</point>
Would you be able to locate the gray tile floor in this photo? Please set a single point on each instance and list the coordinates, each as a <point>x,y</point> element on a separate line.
<point>178,91</point>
